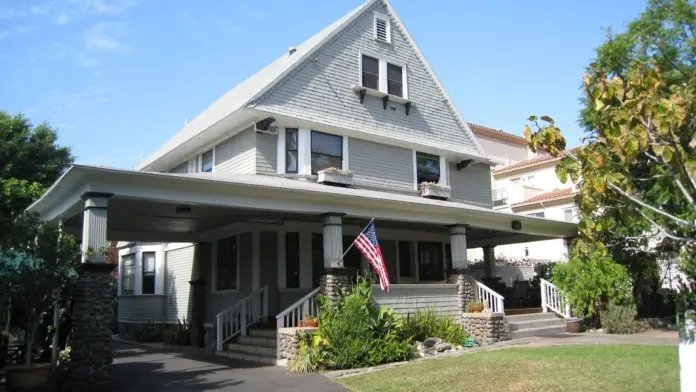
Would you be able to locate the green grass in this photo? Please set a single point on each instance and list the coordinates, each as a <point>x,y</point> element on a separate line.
<point>568,368</point>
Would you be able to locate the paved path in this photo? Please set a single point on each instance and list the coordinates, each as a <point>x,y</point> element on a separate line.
<point>137,368</point>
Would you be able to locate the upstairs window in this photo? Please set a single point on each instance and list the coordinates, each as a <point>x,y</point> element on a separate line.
<point>537,214</point>
<point>148,282</point>
<point>207,161</point>
<point>370,72</point>
<point>327,151</point>
<point>382,28</point>
<point>427,168</point>
<point>291,150</point>
<point>395,80</point>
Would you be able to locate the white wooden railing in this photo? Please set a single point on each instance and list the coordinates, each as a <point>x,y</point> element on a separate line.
<point>238,317</point>
<point>289,317</point>
<point>491,300</point>
<point>552,299</point>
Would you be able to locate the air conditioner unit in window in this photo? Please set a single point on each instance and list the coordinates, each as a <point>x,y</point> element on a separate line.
<point>264,126</point>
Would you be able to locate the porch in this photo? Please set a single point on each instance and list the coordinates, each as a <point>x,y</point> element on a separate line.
<point>230,250</point>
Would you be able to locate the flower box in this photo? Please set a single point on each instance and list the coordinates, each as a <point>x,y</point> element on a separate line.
<point>333,176</point>
<point>432,190</point>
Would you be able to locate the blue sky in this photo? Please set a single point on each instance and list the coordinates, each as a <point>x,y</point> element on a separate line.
<point>117,77</point>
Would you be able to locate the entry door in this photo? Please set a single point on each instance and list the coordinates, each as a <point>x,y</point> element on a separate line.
<point>430,264</point>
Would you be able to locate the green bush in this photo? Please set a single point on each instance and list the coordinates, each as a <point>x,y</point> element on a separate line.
<point>354,333</point>
<point>620,319</point>
<point>148,332</point>
<point>426,323</point>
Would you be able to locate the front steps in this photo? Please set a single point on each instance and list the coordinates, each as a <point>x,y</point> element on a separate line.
<point>258,346</point>
<point>536,324</point>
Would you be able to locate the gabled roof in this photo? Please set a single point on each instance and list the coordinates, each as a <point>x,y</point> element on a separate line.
<point>499,133</point>
<point>530,162</point>
<point>258,84</point>
<point>553,195</point>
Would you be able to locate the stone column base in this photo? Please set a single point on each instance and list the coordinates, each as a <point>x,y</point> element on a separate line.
<point>290,341</point>
<point>337,281</point>
<point>91,351</point>
<point>484,328</point>
<point>466,288</point>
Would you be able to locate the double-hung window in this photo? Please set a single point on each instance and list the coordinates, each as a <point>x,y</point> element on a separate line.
<point>327,151</point>
<point>207,161</point>
<point>383,75</point>
<point>395,80</point>
<point>148,278</point>
<point>226,268</point>
<point>128,274</point>
<point>291,150</point>
<point>370,72</point>
<point>427,168</point>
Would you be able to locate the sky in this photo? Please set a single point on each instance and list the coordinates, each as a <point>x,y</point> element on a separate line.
<point>118,78</point>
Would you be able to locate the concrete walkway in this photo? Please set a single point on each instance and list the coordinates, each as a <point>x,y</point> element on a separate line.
<point>142,368</point>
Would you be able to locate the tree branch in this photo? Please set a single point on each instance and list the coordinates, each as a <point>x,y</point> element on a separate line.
<point>651,208</point>
<point>664,231</point>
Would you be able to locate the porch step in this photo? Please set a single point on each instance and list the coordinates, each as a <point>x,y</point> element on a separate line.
<point>252,340</point>
<point>263,333</point>
<point>252,349</point>
<point>540,324</point>
<point>258,358</point>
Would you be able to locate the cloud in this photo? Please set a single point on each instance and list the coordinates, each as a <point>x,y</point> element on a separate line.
<point>17,30</point>
<point>63,19</point>
<point>11,13</point>
<point>67,11</point>
<point>100,38</point>
<point>89,62</point>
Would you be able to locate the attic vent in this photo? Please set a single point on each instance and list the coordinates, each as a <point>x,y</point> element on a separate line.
<point>382,28</point>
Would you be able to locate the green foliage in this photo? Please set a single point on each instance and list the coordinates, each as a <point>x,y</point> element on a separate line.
<point>590,279</point>
<point>304,361</point>
<point>353,332</point>
<point>148,332</point>
<point>620,319</point>
<point>426,323</point>
<point>471,305</point>
<point>64,355</point>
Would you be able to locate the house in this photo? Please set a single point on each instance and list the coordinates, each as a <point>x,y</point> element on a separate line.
<point>237,217</point>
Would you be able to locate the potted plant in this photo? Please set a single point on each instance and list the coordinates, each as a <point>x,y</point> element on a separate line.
<point>335,176</point>
<point>434,190</point>
<point>310,321</point>
<point>475,307</point>
<point>35,262</point>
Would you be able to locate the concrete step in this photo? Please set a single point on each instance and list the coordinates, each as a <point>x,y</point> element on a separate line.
<point>519,325</point>
<point>251,340</point>
<point>263,333</point>
<point>541,331</point>
<point>258,358</point>
<point>531,317</point>
<point>252,349</point>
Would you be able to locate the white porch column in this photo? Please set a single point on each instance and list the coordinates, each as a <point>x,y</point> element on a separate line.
<point>466,290</point>
<point>489,260</point>
<point>94,227</point>
<point>336,278</point>
<point>91,327</point>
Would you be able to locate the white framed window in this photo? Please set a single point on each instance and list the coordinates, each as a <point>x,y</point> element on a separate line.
<point>327,151</point>
<point>569,214</point>
<point>291,150</point>
<point>204,162</point>
<point>429,168</point>
<point>226,265</point>
<point>128,274</point>
<point>383,75</point>
<point>537,214</point>
<point>149,260</point>
<point>305,151</point>
<point>382,27</point>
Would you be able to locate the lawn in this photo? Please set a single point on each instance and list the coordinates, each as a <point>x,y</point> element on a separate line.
<point>570,368</point>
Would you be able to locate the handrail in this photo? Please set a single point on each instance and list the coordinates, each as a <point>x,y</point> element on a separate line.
<point>553,299</point>
<point>238,317</point>
<point>294,313</point>
<point>490,299</point>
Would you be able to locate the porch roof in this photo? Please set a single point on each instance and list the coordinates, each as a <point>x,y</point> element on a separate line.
<point>224,197</point>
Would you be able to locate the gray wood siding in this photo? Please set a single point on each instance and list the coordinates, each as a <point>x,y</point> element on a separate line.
<point>320,90</point>
<point>410,298</point>
<point>380,166</point>
<point>237,154</point>
<point>142,308</point>
<point>266,153</point>
<point>216,302</point>
<point>182,168</point>
<point>471,184</point>
<point>178,273</point>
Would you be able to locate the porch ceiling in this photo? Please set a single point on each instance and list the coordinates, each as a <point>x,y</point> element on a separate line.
<point>149,206</point>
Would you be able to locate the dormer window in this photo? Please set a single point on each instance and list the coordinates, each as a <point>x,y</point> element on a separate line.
<point>383,77</point>
<point>382,28</point>
<point>395,80</point>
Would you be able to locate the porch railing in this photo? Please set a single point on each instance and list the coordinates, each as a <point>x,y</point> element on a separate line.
<point>552,299</point>
<point>289,317</point>
<point>490,298</point>
<point>238,317</point>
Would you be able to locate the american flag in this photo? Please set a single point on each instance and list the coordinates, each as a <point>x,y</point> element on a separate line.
<point>368,244</point>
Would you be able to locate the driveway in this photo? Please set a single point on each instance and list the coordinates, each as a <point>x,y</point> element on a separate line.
<point>140,368</point>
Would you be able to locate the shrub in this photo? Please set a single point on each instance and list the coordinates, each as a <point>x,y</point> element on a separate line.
<point>354,333</point>
<point>620,319</point>
<point>303,362</point>
<point>426,323</point>
<point>148,332</point>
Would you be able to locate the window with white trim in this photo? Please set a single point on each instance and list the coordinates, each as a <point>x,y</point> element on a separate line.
<point>395,80</point>
<point>569,214</point>
<point>207,161</point>
<point>427,168</point>
<point>327,151</point>
<point>148,271</point>
<point>128,274</point>
<point>370,72</point>
<point>537,214</point>
<point>382,28</point>
<point>385,76</point>
<point>291,150</point>
<point>226,270</point>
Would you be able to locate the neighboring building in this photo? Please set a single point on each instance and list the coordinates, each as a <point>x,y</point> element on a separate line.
<point>233,220</point>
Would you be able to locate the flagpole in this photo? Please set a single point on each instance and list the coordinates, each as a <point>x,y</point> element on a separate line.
<point>340,260</point>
